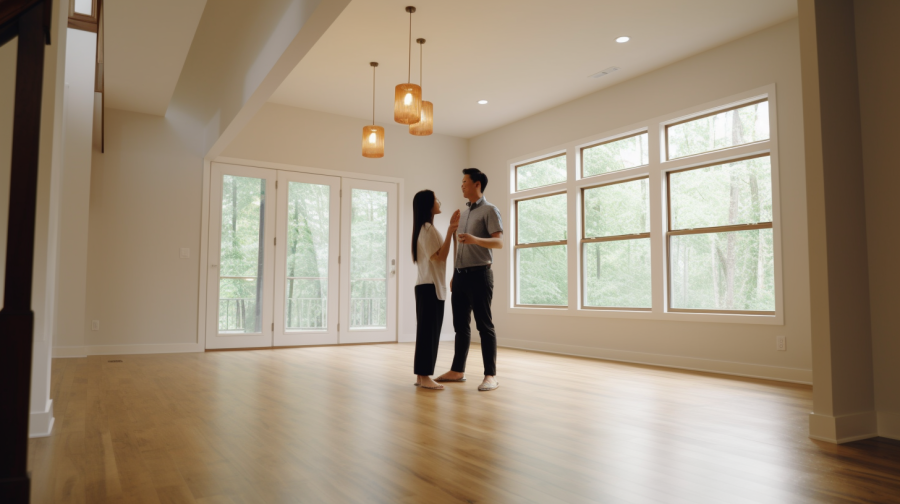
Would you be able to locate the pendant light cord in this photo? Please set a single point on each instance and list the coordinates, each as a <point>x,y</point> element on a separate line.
<point>420,63</point>
<point>373,95</point>
<point>409,53</point>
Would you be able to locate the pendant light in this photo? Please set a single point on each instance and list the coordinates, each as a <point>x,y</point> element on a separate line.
<point>425,126</point>
<point>408,97</point>
<point>373,136</point>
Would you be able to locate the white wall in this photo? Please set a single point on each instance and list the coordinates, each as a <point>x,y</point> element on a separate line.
<point>769,56</point>
<point>75,196</point>
<point>305,138</point>
<point>145,206</point>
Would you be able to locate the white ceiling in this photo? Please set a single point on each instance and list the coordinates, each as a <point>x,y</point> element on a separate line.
<point>523,56</point>
<point>145,48</point>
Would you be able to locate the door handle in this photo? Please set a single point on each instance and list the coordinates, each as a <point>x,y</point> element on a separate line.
<point>213,265</point>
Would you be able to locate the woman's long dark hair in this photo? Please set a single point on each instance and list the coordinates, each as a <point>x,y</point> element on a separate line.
<point>423,204</point>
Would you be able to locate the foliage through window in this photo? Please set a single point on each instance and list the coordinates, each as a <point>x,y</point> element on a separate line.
<point>306,300</point>
<point>616,245</point>
<point>541,251</point>
<point>616,155</point>
<point>541,173</point>
<point>720,130</point>
<point>721,255</point>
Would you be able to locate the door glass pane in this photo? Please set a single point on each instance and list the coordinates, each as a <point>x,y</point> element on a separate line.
<point>617,274</point>
<point>723,271</point>
<point>306,299</point>
<point>368,259</point>
<point>241,257</point>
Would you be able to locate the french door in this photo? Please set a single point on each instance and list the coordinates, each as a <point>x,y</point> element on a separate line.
<point>299,259</point>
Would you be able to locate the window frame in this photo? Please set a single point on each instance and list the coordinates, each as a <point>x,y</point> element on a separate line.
<point>705,230</point>
<point>583,240</point>
<point>657,171</point>
<point>518,246</point>
<point>531,162</point>
<point>709,114</point>
<point>609,141</point>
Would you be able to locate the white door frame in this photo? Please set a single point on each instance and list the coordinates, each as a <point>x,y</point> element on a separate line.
<point>369,335</point>
<point>328,336</point>
<point>204,291</point>
<point>254,340</point>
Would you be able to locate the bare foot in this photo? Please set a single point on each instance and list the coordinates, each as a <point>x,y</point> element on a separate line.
<point>452,376</point>
<point>428,383</point>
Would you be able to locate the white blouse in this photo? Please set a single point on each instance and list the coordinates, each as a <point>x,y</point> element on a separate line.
<point>431,271</point>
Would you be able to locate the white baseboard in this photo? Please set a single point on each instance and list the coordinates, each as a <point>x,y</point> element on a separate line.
<point>792,375</point>
<point>40,424</point>
<point>411,337</point>
<point>889,425</point>
<point>843,428</point>
<point>84,351</point>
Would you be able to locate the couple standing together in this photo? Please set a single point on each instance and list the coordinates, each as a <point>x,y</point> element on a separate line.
<point>474,232</point>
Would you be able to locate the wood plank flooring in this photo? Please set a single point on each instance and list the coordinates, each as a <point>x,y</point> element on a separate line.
<point>345,424</point>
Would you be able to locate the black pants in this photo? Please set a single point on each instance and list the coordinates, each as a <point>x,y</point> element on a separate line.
<point>473,292</point>
<point>429,318</point>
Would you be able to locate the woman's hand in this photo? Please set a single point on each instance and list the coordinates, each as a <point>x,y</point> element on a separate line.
<point>454,223</point>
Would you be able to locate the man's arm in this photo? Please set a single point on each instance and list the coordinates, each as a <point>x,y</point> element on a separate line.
<point>494,242</point>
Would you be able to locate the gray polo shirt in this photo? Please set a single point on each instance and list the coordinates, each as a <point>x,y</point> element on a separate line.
<point>480,219</point>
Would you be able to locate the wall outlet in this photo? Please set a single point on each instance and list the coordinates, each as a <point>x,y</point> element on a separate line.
<point>185,253</point>
<point>95,325</point>
<point>780,343</point>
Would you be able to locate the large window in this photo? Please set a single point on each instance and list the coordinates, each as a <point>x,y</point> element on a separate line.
<point>720,237</point>
<point>616,245</point>
<point>541,251</point>
<point>673,218</point>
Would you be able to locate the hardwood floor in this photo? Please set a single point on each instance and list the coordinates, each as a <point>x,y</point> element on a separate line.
<point>345,424</point>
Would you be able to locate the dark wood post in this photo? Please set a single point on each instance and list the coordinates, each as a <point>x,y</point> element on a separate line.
<point>16,317</point>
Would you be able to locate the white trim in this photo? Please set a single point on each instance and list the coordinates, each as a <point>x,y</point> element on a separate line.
<point>843,428</point>
<point>305,169</point>
<point>656,171</point>
<point>84,351</point>
<point>749,370</point>
<point>40,423</point>
<point>889,425</point>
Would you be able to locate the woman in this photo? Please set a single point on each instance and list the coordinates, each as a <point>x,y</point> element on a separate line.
<point>429,252</point>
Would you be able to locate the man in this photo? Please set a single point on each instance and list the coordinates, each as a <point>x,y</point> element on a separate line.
<point>480,231</point>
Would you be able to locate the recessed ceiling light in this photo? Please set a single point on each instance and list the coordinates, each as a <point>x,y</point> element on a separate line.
<point>482,102</point>
<point>622,40</point>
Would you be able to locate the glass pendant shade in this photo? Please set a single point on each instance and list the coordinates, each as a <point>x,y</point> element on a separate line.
<point>407,103</point>
<point>373,141</point>
<point>425,126</point>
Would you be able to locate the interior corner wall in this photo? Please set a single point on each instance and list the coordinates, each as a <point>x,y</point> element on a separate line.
<point>289,135</point>
<point>769,56</point>
<point>145,206</point>
<point>878,62</point>
<point>75,195</point>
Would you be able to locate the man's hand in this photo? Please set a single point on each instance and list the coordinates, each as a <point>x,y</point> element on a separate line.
<point>468,239</point>
<point>451,284</point>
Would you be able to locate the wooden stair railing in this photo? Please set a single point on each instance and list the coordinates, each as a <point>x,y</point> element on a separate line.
<point>29,20</point>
